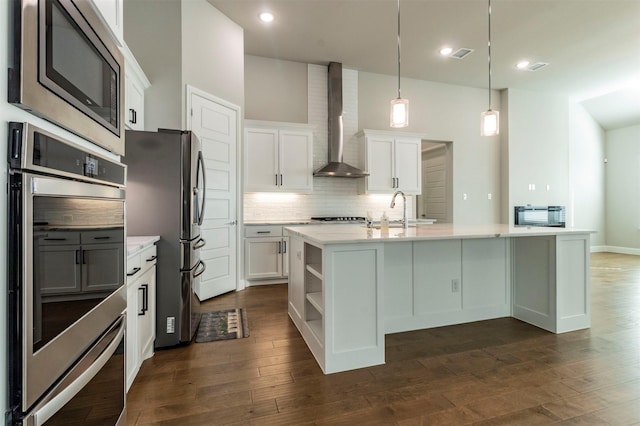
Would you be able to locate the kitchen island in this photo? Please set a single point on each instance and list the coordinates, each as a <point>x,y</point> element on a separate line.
<point>350,285</point>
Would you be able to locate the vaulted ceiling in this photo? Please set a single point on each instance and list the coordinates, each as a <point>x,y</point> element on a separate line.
<point>592,47</point>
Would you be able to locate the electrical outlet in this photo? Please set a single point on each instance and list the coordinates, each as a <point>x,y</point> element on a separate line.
<point>455,285</point>
<point>171,325</point>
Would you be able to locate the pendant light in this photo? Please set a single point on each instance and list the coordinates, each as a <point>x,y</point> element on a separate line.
<point>489,119</point>
<point>399,114</point>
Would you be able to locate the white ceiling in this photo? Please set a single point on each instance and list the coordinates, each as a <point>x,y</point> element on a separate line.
<point>592,46</point>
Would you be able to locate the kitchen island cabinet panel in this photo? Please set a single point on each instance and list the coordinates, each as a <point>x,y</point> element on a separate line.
<point>398,283</point>
<point>551,276</point>
<point>296,280</point>
<point>436,268</point>
<point>485,271</point>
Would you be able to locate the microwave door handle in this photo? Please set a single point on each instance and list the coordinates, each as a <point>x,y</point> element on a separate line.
<point>47,411</point>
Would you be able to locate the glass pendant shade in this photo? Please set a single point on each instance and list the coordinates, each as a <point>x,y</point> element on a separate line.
<point>490,123</point>
<point>399,116</point>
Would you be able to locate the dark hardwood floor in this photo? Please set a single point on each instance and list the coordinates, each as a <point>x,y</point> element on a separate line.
<point>498,372</point>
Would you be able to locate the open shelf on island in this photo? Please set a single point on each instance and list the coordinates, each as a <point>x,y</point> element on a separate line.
<point>315,269</point>
<point>316,300</point>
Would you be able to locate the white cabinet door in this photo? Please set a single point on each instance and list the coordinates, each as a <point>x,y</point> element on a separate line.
<point>394,163</point>
<point>111,13</point>
<point>134,103</point>
<point>136,82</point>
<point>132,359</point>
<point>261,166</point>
<point>278,158</point>
<point>408,165</point>
<point>146,292</point>
<point>380,164</point>
<point>263,257</point>
<point>295,161</point>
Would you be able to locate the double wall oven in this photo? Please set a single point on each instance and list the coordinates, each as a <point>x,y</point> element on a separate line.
<point>66,275</point>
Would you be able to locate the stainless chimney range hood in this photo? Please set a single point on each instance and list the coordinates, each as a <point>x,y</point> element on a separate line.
<point>337,167</point>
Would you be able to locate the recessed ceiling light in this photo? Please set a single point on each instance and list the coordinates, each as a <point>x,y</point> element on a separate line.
<point>446,51</point>
<point>522,65</point>
<point>266,17</point>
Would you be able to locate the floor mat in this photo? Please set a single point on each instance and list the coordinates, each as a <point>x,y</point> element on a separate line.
<point>222,325</point>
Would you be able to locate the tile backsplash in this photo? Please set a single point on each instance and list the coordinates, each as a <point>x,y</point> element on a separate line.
<point>331,196</point>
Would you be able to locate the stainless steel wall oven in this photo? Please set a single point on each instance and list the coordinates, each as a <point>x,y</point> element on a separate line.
<point>66,278</point>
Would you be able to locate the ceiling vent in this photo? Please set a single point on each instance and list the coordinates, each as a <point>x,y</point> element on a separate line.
<point>536,66</point>
<point>461,53</point>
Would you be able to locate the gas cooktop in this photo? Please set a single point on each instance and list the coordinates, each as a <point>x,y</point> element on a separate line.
<point>339,219</point>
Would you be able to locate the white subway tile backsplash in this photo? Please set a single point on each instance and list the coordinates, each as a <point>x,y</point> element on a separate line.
<point>331,196</point>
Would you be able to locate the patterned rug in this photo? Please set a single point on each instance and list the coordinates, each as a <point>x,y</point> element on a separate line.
<point>222,325</point>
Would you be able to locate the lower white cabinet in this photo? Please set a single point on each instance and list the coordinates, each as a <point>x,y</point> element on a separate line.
<point>265,253</point>
<point>141,307</point>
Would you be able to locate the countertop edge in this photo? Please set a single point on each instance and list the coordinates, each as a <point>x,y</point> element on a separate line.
<point>136,244</point>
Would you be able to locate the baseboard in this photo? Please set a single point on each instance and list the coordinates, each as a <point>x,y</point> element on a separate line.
<point>621,250</point>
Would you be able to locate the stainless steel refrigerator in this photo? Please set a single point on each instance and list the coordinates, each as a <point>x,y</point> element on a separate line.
<point>166,187</point>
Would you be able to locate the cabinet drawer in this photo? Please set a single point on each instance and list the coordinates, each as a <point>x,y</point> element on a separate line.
<point>104,236</point>
<point>148,257</point>
<point>134,267</point>
<point>57,238</point>
<point>263,231</point>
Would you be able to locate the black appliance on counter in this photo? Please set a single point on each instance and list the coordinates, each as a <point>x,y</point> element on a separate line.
<point>65,276</point>
<point>551,216</point>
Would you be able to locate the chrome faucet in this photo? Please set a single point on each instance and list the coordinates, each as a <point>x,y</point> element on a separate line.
<point>405,218</point>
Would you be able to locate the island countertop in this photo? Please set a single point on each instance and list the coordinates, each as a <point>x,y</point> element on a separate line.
<point>344,234</point>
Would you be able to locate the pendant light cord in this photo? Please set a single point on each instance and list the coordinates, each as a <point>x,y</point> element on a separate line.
<point>489,46</point>
<point>398,49</point>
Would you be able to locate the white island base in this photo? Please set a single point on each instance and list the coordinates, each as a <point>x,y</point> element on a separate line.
<point>349,286</point>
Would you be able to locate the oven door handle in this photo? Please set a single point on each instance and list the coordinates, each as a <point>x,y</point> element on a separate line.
<point>75,381</point>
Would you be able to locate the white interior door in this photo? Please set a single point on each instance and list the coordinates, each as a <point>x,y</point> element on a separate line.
<point>216,124</point>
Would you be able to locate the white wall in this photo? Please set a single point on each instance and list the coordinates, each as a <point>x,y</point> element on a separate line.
<point>152,30</point>
<point>587,174</point>
<point>212,53</point>
<point>623,189</point>
<point>183,42</point>
<point>276,90</point>
<point>538,149</point>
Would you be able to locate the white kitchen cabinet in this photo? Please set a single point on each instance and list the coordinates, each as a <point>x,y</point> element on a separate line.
<point>278,157</point>
<point>141,309</point>
<point>393,160</point>
<point>111,12</point>
<point>341,301</point>
<point>136,82</point>
<point>296,279</point>
<point>266,255</point>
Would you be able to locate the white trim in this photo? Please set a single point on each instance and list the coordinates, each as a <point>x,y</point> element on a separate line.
<point>621,250</point>
<point>191,90</point>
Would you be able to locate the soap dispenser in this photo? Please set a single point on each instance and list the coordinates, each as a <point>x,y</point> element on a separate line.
<point>384,222</point>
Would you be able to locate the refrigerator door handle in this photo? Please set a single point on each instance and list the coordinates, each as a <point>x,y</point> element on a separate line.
<point>200,243</point>
<point>197,272</point>
<point>201,186</point>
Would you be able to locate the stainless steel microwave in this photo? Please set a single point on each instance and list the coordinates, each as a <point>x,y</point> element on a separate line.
<point>66,68</point>
<point>551,216</point>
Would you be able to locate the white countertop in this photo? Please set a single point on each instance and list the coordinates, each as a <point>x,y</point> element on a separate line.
<point>343,234</point>
<point>137,243</point>
<point>278,222</point>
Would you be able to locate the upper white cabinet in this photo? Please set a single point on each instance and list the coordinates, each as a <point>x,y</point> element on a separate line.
<point>111,13</point>
<point>278,157</point>
<point>393,161</point>
<point>136,82</point>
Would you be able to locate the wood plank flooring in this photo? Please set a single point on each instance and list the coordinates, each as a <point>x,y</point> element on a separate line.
<point>498,372</point>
